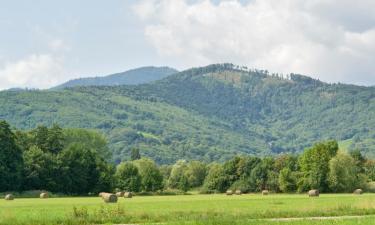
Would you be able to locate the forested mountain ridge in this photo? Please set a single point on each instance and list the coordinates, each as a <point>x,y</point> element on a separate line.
<point>131,77</point>
<point>209,113</point>
<point>287,113</point>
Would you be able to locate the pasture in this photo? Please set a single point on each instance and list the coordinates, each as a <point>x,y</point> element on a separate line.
<point>191,210</point>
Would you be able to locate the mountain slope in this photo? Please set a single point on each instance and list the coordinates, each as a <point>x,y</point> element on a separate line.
<point>288,114</point>
<point>208,113</point>
<point>162,131</point>
<point>136,76</point>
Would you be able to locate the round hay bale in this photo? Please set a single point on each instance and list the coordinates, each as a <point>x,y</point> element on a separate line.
<point>109,198</point>
<point>120,194</point>
<point>238,192</point>
<point>265,192</point>
<point>358,192</point>
<point>229,192</point>
<point>9,197</point>
<point>314,193</point>
<point>101,194</point>
<point>128,195</point>
<point>43,195</point>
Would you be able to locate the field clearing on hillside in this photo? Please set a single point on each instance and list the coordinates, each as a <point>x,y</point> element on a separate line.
<point>190,209</point>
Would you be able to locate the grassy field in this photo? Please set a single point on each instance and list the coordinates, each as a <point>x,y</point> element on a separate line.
<point>190,210</point>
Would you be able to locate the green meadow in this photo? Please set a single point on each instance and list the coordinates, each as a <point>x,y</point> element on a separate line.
<point>191,210</point>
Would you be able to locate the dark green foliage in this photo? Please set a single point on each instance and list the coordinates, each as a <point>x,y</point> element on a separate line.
<point>211,114</point>
<point>48,140</point>
<point>314,163</point>
<point>343,174</point>
<point>79,169</point>
<point>11,161</point>
<point>195,173</point>
<point>287,180</point>
<point>359,160</point>
<point>369,169</point>
<point>128,177</point>
<point>74,164</point>
<point>40,139</point>
<point>79,173</point>
<point>152,179</point>
<point>55,139</point>
<point>41,170</point>
<point>135,154</point>
<point>260,174</point>
<point>90,138</point>
<point>216,180</point>
<point>183,183</point>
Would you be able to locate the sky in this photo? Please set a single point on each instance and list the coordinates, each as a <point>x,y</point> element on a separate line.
<point>44,43</point>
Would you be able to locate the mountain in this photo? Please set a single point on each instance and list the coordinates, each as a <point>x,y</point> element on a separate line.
<point>208,113</point>
<point>132,77</point>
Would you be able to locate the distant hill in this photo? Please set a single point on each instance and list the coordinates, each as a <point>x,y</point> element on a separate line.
<point>132,77</point>
<point>208,113</point>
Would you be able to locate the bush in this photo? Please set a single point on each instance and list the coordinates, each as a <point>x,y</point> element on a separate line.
<point>241,185</point>
<point>370,187</point>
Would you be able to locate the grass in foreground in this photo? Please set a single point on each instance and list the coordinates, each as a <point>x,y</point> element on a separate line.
<point>188,209</point>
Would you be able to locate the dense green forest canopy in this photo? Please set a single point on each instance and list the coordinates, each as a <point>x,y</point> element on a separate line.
<point>210,113</point>
<point>76,161</point>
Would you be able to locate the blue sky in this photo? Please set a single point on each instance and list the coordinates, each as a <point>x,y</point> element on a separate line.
<point>43,43</point>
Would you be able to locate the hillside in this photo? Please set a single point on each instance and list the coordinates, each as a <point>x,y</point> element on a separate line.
<point>289,114</point>
<point>132,77</point>
<point>208,113</point>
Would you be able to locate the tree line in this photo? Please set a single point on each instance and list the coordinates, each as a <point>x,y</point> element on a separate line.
<point>78,161</point>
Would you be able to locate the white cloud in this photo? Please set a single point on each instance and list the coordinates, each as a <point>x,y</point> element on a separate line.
<point>333,40</point>
<point>34,71</point>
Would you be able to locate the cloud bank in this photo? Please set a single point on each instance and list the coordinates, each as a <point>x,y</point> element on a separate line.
<point>34,71</point>
<point>333,40</point>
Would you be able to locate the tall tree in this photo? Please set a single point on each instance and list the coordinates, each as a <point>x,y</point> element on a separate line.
<point>196,172</point>
<point>11,162</point>
<point>127,177</point>
<point>55,139</point>
<point>152,179</point>
<point>41,137</point>
<point>216,179</point>
<point>135,154</point>
<point>41,170</point>
<point>314,163</point>
<point>287,180</point>
<point>178,179</point>
<point>343,175</point>
<point>79,171</point>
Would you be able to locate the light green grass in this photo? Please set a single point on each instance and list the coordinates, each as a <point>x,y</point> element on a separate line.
<point>188,209</point>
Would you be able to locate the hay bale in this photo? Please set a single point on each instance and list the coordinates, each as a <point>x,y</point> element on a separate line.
<point>238,192</point>
<point>9,197</point>
<point>229,192</point>
<point>120,194</point>
<point>358,192</point>
<point>109,198</point>
<point>101,194</point>
<point>265,192</point>
<point>128,195</point>
<point>314,193</point>
<point>43,195</point>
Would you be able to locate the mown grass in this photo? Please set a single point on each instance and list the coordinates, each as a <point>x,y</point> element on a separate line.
<point>187,209</point>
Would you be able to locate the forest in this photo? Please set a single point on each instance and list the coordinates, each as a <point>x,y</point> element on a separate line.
<point>77,162</point>
<point>209,114</point>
